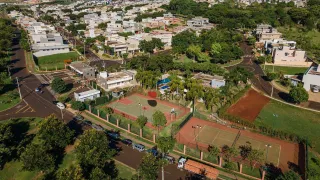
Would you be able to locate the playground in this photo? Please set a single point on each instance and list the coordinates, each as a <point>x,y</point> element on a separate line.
<point>249,106</point>
<point>199,134</point>
<point>136,104</point>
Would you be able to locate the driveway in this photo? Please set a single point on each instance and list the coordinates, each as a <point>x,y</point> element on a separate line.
<point>259,82</point>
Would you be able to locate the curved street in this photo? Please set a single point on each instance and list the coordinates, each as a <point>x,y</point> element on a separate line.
<point>260,83</point>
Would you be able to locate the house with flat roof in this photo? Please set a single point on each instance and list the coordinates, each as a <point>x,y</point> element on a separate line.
<point>265,32</point>
<point>289,56</point>
<point>82,69</point>
<point>311,78</point>
<point>214,81</point>
<point>122,79</point>
<point>87,95</point>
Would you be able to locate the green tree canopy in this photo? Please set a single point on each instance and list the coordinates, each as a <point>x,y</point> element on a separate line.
<point>299,94</point>
<point>58,85</point>
<point>74,172</point>
<point>55,133</point>
<point>159,119</point>
<point>77,105</point>
<point>142,121</point>
<point>93,149</point>
<point>148,168</point>
<point>165,144</point>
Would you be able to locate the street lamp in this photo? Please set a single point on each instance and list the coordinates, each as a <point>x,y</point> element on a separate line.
<point>196,136</point>
<point>267,150</point>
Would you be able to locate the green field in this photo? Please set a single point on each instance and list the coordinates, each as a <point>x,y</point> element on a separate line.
<point>285,70</point>
<point>56,60</point>
<point>291,119</point>
<point>9,99</point>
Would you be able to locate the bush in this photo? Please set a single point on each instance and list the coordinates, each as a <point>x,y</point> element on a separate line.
<point>272,76</point>
<point>298,95</point>
<point>77,105</point>
<point>58,85</point>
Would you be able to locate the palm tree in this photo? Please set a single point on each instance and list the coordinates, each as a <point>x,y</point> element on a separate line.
<point>211,97</point>
<point>195,90</point>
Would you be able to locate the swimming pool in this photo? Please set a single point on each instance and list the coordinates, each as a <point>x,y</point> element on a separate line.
<point>163,81</point>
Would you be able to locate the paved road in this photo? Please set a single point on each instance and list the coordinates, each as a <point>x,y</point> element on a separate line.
<point>263,85</point>
<point>33,104</point>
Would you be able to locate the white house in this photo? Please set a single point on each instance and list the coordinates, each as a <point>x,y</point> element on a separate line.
<point>311,78</point>
<point>289,56</point>
<point>87,95</point>
<point>109,81</point>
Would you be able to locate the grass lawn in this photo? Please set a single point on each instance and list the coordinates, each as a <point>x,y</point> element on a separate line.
<point>183,59</point>
<point>285,70</point>
<point>9,99</point>
<point>252,172</point>
<point>13,171</point>
<point>291,119</point>
<point>53,61</point>
<point>124,171</point>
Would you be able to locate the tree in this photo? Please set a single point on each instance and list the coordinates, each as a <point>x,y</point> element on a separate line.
<point>298,94</point>
<point>142,121</point>
<point>298,14</point>
<point>229,152</point>
<point>251,40</point>
<point>77,105</point>
<point>58,85</point>
<point>216,49</point>
<point>6,137</point>
<point>194,51</point>
<point>98,174</point>
<point>245,150</point>
<point>211,97</point>
<point>272,76</point>
<point>290,175</point>
<point>55,133</point>
<point>214,151</point>
<point>101,38</point>
<point>148,169</point>
<point>195,90</point>
<point>165,144</point>
<point>37,157</point>
<point>103,25</point>
<point>159,119</point>
<point>255,156</point>
<point>71,173</point>
<point>95,48</point>
<point>183,40</point>
<point>93,149</point>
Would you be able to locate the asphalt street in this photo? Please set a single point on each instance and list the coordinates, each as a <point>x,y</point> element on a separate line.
<point>41,103</point>
<point>259,82</point>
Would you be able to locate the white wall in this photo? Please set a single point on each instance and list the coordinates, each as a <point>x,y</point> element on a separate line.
<point>51,52</point>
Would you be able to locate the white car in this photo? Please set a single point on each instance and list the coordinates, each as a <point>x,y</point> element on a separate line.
<point>60,105</point>
<point>315,90</point>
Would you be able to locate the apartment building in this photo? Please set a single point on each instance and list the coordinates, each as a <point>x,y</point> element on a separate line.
<point>110,81</point>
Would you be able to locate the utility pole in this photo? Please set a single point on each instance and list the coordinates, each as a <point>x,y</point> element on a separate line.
<point>18,87</point>
<point>61,114</point>
<point>162,173</point>
<point>271,90</point>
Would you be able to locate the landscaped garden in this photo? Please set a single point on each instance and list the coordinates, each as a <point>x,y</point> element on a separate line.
<point>55,61</point>
<point>290,119</point>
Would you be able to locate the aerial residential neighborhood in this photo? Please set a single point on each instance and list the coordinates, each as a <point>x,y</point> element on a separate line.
<point>159,89</point>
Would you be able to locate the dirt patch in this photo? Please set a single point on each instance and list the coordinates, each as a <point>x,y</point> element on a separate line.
<point>249,106</point>
<point>69,148</point>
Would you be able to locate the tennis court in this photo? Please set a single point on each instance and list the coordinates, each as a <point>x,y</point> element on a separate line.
<point>198,133</point>
<point>137,104</point>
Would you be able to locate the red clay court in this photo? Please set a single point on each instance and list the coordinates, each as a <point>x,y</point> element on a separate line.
<point>249,106</point>
<point>136,104</point>
<point>210,133</point>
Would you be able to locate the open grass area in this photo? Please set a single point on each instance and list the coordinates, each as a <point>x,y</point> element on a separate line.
<point>9,99</point>
<point>285,70</point>
<point>183,59</point>
<point>13,171</point>
<point>252,172</point>
<point>291,119</point>
<point>53,61</point>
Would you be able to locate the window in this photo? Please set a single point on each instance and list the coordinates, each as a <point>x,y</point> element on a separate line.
<point>286,54</point>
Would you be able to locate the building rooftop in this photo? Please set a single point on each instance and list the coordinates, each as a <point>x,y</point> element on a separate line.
<point>313,70</point>
<point>88,93</point>
<point>79,66</point>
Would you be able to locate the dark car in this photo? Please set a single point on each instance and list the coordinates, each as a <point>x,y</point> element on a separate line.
<point>87,122</point>
<point>170,159</point>
<point>153,151</point>
<point>127,142</point>
<point>79,118</point>
<point>113,135</point>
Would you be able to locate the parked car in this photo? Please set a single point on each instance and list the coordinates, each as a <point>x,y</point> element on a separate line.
<point>37,90</point>
<point>153,151</point>
<point>127,142</point>
<point>138,147</point>
<point>97,127</point>
<point>315,89</point>
<point>79,118</point>
<point>113,135</point>
<point>170,159</point>
<point>87,122</point>
<point>60,105</point>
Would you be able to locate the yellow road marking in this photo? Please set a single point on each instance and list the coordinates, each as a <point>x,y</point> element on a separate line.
<point>27,109</point>
<point>22,108</point>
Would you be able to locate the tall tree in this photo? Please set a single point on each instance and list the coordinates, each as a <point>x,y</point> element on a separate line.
<point>148,168</point>
<point>165,144</point>
<point>93,149</point>
<point>255,156</point>
<point>159,119</point>
<point>37,157</point>
<point>58,85</point>
<point>299,94</point>
<point>55,133</point>
<point>289,175</point>
<point>229,152</point>
<point>142,121</point>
